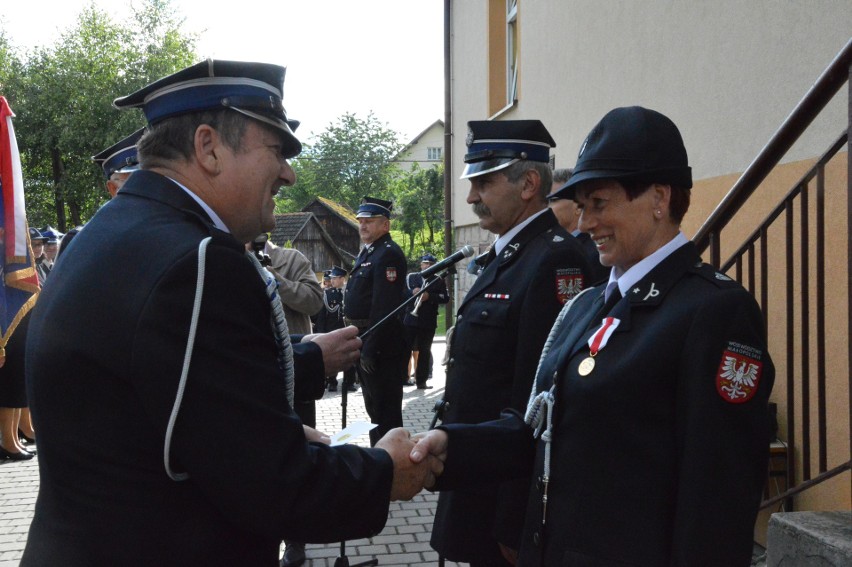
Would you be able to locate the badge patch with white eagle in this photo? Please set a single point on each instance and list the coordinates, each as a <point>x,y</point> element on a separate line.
<point>390,274</point>
<point>739,373</point>
<point>569,282</point>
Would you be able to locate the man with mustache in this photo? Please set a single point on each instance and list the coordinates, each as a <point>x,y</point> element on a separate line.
<point>532,269</point>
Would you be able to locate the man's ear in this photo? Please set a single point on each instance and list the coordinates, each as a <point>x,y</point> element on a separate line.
<point>532,185</point>
<point>112,188</point>
<point>208,148</point>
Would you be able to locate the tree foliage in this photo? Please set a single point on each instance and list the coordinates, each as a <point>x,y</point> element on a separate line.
<point>62,95</point>
<point>353,157</point>
<point>419,196</point>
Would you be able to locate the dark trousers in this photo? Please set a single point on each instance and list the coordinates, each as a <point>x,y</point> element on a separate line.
<point>424,360</point>
<point>382,391</point>
<point>421,341</point>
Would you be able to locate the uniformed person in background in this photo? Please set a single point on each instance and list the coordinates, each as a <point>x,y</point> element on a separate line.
<point>532,269</point>
<point>376,287</point>
<point>119,161</point>
<point>330,317</point>
<point>421,319</point>
<point>650,403</point>
<point>568,215</point>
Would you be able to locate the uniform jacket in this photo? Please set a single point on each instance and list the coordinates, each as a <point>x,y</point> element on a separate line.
<point>659,454</point>
<point>107,342</point>
<point>427,313</point>
<point>330,317</point>
<point>376,287</point>
<point>301,294</point>
<point>501,326</point>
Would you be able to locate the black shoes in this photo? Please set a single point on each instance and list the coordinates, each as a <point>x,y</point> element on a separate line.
<point>25,439</point>
<point>425,387</point>
<point>294,554</point>
<point>408,383</point>
<point>22,456</point>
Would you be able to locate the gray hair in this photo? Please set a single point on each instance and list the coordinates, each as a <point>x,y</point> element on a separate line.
<point>515,171</point>
<point>562,176</point>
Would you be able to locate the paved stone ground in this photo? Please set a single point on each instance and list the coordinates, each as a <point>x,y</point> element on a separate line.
<point>403,542</point>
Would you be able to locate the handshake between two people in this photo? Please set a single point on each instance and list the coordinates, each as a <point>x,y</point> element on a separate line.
<point>418,460</point>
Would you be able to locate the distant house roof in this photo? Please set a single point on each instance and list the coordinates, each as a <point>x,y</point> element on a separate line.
<point>340,210</point>
<point>288,226</point>
<point>416,139</point>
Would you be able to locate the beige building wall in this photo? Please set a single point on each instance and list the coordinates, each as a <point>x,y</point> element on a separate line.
<point>728,73</point>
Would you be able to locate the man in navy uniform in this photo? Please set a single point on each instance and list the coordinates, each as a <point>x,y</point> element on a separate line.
<point>330,317</point>
<point>166,429</point>
<point>118,161</point>
<point>376,287</point>
<point>421,318</point>
<point>568,215</point>
<point>532,269</point>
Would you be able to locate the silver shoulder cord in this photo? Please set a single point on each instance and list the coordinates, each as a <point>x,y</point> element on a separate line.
<point>279,326</point>
<point>327,306</point>
<point>539,412</point>
<point>187,357</point>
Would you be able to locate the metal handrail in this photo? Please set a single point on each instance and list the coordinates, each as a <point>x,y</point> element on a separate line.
<point>819,95</point>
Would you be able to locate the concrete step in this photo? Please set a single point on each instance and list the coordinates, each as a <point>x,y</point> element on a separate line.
<point>810,539</point>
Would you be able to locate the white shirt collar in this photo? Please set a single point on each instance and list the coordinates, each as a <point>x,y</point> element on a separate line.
<point>217,222</point>
<point>505,239</point>
<point>641,269</point>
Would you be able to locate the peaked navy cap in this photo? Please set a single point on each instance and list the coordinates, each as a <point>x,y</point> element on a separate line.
<point>631,144</point>
<point>428,258</point>
<point>36,235</point>
<point>252,89</point>
<point>121,156</point>
<point>337,272</point>
<point>374,207</point>
<point>496,144</point>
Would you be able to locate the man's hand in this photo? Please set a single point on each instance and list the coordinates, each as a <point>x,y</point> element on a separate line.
<point>312,435</point>
<point>409,477</point>
<point>341,349</point>
<point>430,447</point>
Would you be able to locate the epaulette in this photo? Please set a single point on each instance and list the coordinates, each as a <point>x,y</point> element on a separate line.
<point>709,273</point>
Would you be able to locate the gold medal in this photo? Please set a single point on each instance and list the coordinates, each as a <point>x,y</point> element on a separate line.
<point>586,366</point>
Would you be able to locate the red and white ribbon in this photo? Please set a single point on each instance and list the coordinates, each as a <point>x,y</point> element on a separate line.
<point>599,339</point>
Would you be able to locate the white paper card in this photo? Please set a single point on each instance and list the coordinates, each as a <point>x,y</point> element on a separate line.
<point>351,432</point>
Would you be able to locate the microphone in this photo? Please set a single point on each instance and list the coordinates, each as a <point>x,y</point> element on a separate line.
<point>465,252</point>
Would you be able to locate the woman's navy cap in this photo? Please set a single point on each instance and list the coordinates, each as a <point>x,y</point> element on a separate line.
<point>631,144</point>
<point>36,235</point>
<point>121,156</point>
<point>428,258</point>
<point>252,89</point>
<point>373,207</point>
<point>496,144</point>
<point>337,272</point>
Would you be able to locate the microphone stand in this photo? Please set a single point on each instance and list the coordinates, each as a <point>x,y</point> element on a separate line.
<point>342,560</point>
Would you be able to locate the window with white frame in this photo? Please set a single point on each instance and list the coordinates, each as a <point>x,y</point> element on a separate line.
<point>511,51</point>
<point>434,154</point>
